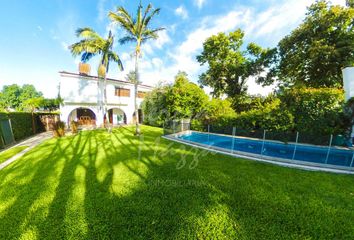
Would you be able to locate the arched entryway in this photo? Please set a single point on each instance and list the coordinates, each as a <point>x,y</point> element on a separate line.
<point>84,117</point>
<point>117,116</point>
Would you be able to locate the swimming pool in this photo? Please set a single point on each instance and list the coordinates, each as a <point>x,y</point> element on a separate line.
<point>302,154</point>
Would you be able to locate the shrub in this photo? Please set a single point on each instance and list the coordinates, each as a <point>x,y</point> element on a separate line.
<point>271,117</point>
<point>197,125</point>
<point>58,129</point>
<point>74,126</point>
<point>214,110</point>
<point>318,111</point>
<point>21,123</point>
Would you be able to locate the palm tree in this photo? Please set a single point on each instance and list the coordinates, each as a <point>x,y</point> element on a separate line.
<point>93,44</point>
<point>138,31</point>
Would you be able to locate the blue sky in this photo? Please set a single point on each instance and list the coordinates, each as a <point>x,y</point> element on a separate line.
<point>35,35</point>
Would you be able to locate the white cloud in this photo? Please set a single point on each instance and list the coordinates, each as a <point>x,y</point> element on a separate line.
<point>164,38</point>
<point>199,3</point>
<point>64,45</point>
<point>101,10</point>
<point>39,28</point>
<point>182,12</point>
<point>272,23</point>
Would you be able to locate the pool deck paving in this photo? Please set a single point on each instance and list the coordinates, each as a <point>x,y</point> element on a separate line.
<point>31,143</point>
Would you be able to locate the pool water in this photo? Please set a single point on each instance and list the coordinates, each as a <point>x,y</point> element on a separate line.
<point>305,153</point>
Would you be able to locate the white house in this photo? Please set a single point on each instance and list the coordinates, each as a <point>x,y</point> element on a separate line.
<point>348,82</point>
<point>83,99</point>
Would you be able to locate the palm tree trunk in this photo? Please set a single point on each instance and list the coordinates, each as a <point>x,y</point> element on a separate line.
<point>105,98</point>
<point>137,129</point>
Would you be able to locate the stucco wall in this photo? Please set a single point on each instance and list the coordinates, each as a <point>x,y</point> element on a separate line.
<point>80,91</point>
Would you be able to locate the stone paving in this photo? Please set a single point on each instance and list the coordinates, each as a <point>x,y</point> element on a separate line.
<point>31,143</point>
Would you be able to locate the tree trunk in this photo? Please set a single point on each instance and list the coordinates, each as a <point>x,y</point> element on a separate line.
<point>137,129</point>
<point>33,123</point>
<point>105,99</point>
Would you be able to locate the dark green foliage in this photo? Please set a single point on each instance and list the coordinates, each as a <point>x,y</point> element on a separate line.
<point>21,124</point>
<point>270,117</point>
<point>314,113</point>
<point>215,109</point>
<point>154,107</point>
<point>228,65</point>
<point>248,102</point>
<point>316,51</point>
<point>183,99</point>
<point>14,96</point>
<point>50,104</point>
<point>317,111</point>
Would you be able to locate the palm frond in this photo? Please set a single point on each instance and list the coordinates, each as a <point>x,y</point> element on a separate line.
<point>113,56</point>
<point>87,33</point>
<point>127,39</point>
<point>86,56</point>
<point>148,18</point>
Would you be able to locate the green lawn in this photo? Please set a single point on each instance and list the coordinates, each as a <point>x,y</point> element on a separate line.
<point>10,153</point>
<point>97,185</point>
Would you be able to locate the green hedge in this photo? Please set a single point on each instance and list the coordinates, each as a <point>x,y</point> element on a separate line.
<point>314,113</point>
<point>21,123</point>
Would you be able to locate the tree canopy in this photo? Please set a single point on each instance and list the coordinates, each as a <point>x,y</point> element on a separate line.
<point>13,96</point>
<point>315,52</point>
<point>25,98</point>
<point>228,65</point>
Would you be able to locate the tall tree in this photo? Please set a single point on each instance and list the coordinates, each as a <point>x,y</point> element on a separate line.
<point>315,52</point>
<point>138,31</point>
<point>229,66</point>
<point>93,44</point>
<point>131,77</point>
<point>184,99</point>
<point>32,104</point>
<point>13,96</point>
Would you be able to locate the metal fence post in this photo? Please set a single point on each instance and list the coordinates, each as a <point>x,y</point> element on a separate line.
<point>264,134</point>
<point>297,138</point>
<point>351,164</point>
<point>233,139</point>
<point>329,148</point>
<point>173,126</point>
<point>208,133</point>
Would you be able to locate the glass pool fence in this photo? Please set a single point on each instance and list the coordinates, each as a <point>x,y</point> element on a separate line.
<point>334,151</point>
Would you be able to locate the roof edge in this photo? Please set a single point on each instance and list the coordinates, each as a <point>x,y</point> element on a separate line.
<point>96,78</point>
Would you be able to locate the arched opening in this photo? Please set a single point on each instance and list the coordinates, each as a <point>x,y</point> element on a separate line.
<point>117,116</point>
<point>84,117</point>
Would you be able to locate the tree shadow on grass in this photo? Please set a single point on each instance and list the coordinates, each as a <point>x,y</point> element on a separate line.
<point>96,185</point>
<point>115,186</point>
<point>162,201</point>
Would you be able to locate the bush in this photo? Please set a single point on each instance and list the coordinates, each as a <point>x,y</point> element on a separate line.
<point>271,117</point>
<point>58,129</point>
<point>74,126</point>
<point>197,125</point>
<point>21,123</point>
<point>318,111</point>
<point>214,110</point>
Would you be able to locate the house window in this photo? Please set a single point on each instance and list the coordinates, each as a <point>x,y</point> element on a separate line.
<point>122,92</point>
<point>141,94</point>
